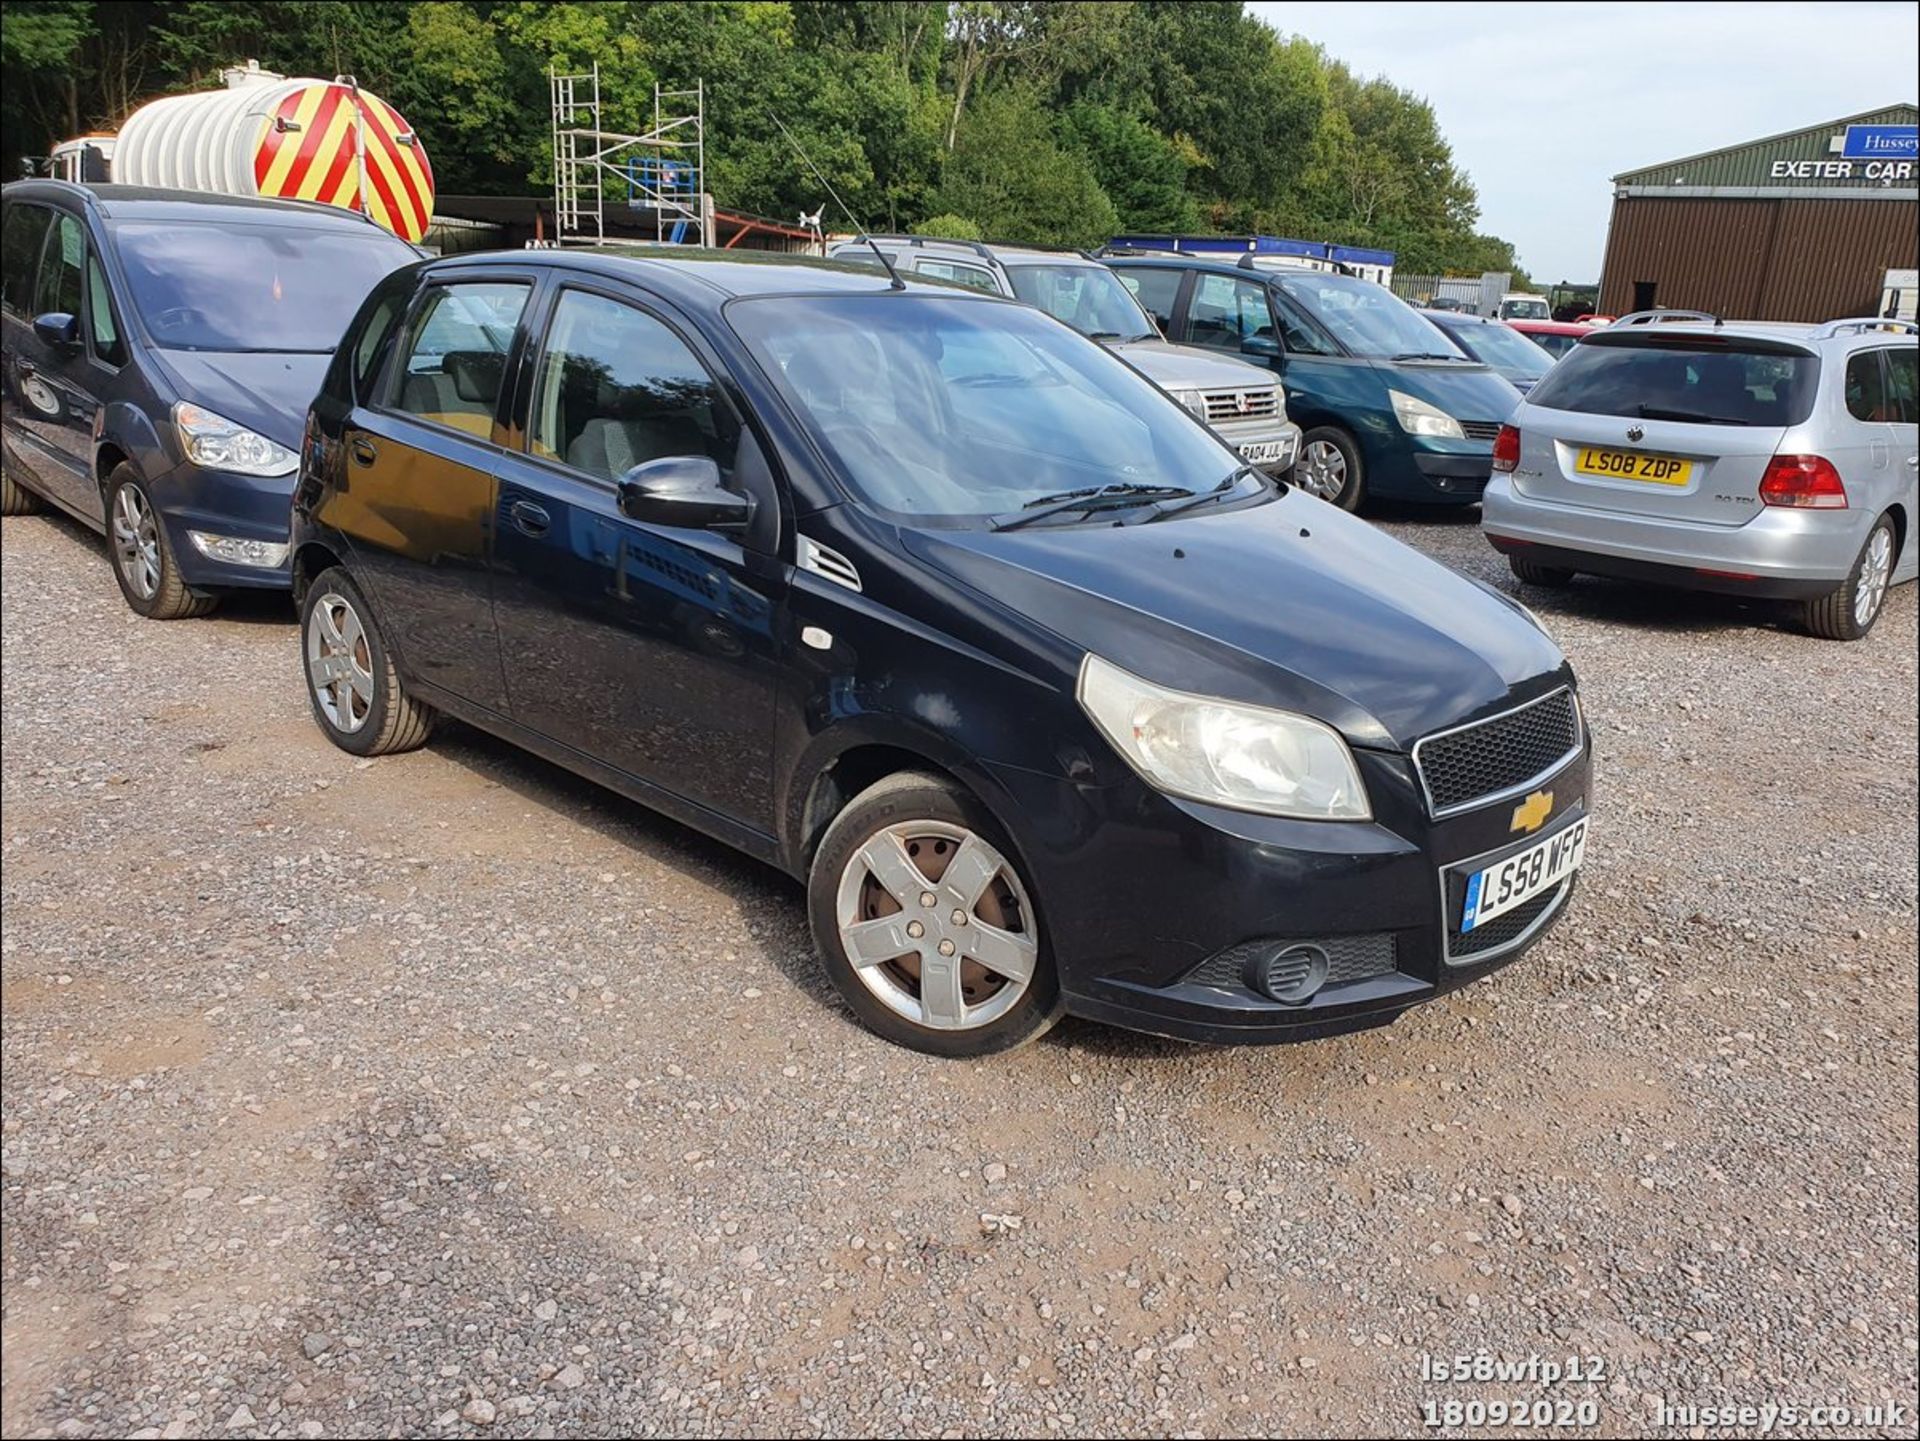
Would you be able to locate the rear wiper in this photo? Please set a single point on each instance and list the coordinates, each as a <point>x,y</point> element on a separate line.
<point>1694,417</point>
<point>1219,492</point>
<point>1095,497</point>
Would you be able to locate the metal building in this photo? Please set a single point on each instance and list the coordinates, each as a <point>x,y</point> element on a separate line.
<point>1800,226</point>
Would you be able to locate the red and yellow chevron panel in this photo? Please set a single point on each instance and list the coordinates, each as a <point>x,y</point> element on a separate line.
<point>311,149</point>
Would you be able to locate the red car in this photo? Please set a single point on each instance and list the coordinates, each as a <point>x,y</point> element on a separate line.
<point>1556,337</point>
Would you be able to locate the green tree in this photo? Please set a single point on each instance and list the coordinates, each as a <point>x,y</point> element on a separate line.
<point>948,227</point>
<point>1143,172</point>
<point>1009,176</point>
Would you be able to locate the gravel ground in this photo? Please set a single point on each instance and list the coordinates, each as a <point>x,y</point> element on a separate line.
<point>448,1094</point>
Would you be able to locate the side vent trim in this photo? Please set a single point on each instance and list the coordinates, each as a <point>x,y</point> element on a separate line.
<point>828,564</point>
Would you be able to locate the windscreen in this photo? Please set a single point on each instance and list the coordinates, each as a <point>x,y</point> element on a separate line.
<point>230,287</point>
<point>1685,379</point>
<point>956,410</point>
<point>1369,319</point>
<point>1090,298</point>
<point>1507,348</point>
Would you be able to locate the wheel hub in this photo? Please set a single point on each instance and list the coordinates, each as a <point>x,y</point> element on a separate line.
<point>340,662</point>
<point>936,924</point>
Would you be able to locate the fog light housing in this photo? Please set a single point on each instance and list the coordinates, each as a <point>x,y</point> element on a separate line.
<point>1290,974</point>
<point>238,550</point>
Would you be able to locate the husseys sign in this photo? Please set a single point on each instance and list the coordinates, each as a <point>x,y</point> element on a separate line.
<point>1877,154</point>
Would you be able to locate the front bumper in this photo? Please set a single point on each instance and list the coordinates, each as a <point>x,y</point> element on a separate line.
<point>1781,553</point>
<point>216,502</point>
<point>1157,900</point>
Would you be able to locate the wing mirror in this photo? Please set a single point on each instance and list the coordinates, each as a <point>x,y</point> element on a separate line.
<point>57,328</point>
<point>1264,346</point>
<point>684,491</point>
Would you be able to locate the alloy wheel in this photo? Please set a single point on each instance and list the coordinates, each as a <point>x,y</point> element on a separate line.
<point>340,662</point>
<point>1322,470</point>
<point>936,924</point>
<point>1876,569</point>
<point>136,541</point>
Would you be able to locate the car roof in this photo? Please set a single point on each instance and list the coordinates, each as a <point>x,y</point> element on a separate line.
<point>709,277</point>
<point>1461,317</point>
<point>146,202</point>
<point>1014,255</point>
<point>1550,327</point>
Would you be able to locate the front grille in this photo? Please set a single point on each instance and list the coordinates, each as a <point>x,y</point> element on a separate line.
<point>1349,958</point>
<point>1225,405</point>
<point>1493,758</point>
<point>1503,929</point>
<point>1480,429</point>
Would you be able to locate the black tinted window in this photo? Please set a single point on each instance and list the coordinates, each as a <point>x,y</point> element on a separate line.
<point>25,232</point>
<point>456,355</point>
<point>252,287</point>
<point>1680,379</point>
<point>1866,391</point>
<point>1155,290</point>
<point>1903,384</point>
<point>62,269</point>
<point>616,389</point>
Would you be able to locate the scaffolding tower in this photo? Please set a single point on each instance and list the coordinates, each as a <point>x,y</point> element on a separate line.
<point>663,171</point>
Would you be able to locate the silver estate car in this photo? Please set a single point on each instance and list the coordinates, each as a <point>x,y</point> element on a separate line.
<point>1243,404</point>
<point>1775,461</point>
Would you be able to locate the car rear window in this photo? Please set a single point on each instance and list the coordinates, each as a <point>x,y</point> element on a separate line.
<point>1702,381</point>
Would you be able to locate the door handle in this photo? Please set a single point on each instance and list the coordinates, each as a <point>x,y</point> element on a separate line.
<point>528,518</point>
<point>363,452</point>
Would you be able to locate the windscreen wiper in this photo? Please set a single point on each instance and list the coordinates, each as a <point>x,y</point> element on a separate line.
<point>1093,497</point>
<point>1426,355</point>
<point>1693,417</point>
<point>1193,502</point>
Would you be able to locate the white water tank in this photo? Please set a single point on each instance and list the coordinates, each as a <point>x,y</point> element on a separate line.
<point>290,139</point>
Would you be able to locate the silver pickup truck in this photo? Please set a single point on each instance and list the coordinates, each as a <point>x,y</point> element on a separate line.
<point>1243,404</point>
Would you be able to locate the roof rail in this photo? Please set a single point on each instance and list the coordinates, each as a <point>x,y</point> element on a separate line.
<point>1861,325</point>
<point>921,240</point>
<point>1253,260</point>
<point>1665,317</point>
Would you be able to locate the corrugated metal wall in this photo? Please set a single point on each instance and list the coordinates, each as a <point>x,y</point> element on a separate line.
<point>1752,163</point>
<point>1758,259</point>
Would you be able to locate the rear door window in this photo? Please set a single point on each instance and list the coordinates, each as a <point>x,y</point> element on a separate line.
<point>456,354</point>
<point>1866,387</point>
<point>22,238</point>
<point>1682,380</point>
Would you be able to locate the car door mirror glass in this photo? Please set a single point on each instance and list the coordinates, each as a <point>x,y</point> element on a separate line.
<point>57,327</point>
<point>682,490</point>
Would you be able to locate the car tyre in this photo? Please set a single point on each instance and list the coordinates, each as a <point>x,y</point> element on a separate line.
<point>1531,572</point>
<point>1330,467</point>
<point>1848,611</point>
<point>142,555</point>
<point>861,897</point>
<point>15,498</point>
<point>357,696</point>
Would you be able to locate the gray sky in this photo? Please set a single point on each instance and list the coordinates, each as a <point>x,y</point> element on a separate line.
<point>1543,103</point>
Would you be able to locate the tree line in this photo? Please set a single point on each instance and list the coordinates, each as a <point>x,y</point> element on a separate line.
<point>1060,122</point>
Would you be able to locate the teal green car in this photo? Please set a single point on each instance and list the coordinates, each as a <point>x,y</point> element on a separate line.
<point>1387,404</point>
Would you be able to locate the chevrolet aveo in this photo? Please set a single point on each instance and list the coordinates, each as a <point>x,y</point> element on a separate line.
<point>1052,703</point>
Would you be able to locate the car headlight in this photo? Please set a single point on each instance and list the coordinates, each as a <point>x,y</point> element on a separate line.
<point>1230,754</point>
<point>1416,417</point>
<point>217,443</point>
<point>1194,400</point>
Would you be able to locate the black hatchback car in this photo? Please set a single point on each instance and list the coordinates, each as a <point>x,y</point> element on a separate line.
<point>935,604</point>
<point>161,349</point>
